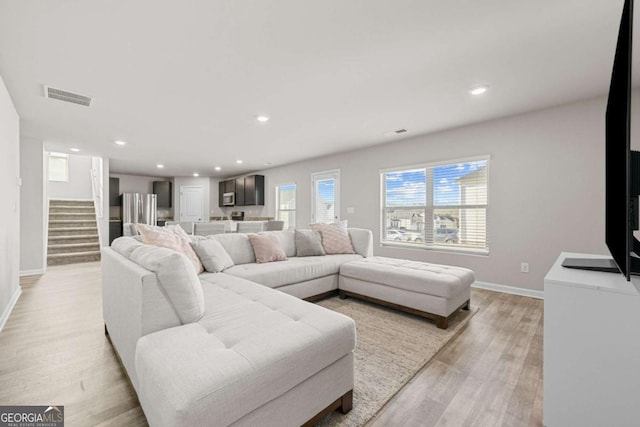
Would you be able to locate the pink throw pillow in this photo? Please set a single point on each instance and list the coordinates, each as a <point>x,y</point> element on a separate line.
<point>168,238</point>
<point>267,248</point>
<point>335,238</point>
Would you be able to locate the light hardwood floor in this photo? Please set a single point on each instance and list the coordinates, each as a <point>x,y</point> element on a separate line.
<point>53,351</point>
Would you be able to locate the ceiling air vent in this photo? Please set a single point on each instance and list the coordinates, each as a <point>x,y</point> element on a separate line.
<point>66,96</point>
<point>395,132</point>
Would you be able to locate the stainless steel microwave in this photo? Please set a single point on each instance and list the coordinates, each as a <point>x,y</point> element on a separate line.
<point>229,199</point>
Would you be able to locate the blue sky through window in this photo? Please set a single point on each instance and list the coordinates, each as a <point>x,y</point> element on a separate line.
<point>326,190</point>
<point>408,188</point>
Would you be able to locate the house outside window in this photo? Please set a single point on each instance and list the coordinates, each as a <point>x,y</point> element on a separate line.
<point>439,206</point>
<point>59,167</point>
<point>286,205</point>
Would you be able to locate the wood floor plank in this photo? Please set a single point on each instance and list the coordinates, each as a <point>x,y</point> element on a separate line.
<point>53,350</point>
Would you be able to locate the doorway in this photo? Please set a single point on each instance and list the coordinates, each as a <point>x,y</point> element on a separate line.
<point>325,196</point>
<point>191,203</point>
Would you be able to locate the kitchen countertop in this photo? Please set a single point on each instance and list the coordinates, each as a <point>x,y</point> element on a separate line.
<point>246,218</point>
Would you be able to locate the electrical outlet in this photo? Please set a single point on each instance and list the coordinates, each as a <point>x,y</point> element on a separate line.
<point>524,267</point>
<point>351,210</point>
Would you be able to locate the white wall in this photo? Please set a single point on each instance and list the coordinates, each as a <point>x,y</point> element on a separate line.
<point>203,182</point>
<point>32,207</point>
<point>214,209</point>
<point>546,191</point>
<point>10,207</point>
<point>79,185</point>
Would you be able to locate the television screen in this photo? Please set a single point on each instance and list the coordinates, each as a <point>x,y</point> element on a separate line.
<point>622,166</point>
<point>618,230</point>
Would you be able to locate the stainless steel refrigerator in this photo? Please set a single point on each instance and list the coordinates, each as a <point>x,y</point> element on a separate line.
<point>138,208</point>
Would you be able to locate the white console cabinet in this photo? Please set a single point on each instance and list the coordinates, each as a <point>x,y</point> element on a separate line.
<point>591,348</point>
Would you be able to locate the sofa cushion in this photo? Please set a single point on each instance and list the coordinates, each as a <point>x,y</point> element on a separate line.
<point>125,245</point>
<point>335,238</point>
<point>266,248</point>
<point>251,339</point>
<point>287,240</point>
<point>178,279</point>
<point>308,243</point>
<point>170,237</point>
<point>293,270</point>
<point>212,255</point>
<point>237,246</point>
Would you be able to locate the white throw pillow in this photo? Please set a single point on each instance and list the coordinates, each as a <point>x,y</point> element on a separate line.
<point>178,279</point>
<point>212,254</point>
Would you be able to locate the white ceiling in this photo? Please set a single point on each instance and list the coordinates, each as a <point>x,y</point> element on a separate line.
<point>182,82</point>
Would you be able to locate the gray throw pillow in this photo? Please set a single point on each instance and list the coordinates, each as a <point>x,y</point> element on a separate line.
<point>213,256</point>
<point>308,243</point>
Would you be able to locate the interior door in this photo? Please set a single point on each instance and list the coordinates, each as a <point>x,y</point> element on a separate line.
<point>325,196</point>
<point>191,203</point>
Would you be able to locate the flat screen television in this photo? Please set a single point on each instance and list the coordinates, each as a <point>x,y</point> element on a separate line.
<point>622,166</point>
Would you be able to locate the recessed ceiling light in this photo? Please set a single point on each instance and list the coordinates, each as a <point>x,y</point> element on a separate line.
<point>218,168</point>
<point>262,119</point>
<point>196,174</point>
<point>268,163</point>
<point>159,166</point>
<point>479,90</point>
<point>238,161</point>
<point>120,142</point>
<point>75,150</point>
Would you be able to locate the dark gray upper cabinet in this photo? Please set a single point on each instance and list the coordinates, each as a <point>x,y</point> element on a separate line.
<point>249,190</point>
<point>240,191</point>
<point>254,190</point>
<point>220,193</point>
<point>114,191</point>
<point>162,190</point>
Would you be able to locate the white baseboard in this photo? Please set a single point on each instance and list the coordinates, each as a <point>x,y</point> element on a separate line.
<point>7,311</point>
<point>35,272</point>
<point>509,290</point>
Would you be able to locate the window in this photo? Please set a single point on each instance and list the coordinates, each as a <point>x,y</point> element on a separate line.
<point>437,206</point>
<point>325,196</point>
<point>286,205</point>
<point>59,167</point>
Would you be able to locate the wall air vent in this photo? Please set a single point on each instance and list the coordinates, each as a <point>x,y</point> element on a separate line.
<point>66,96</point>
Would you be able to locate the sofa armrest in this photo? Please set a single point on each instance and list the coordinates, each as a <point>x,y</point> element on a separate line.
<point>133,305</point>
<point>362,240</point>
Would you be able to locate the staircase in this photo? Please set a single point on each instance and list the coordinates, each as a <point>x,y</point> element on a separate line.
<point>73,232</point>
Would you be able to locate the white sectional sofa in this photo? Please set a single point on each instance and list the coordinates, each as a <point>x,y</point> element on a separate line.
<point>239,347</point>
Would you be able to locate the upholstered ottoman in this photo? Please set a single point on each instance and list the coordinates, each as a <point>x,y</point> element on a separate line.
<point>428,290</point>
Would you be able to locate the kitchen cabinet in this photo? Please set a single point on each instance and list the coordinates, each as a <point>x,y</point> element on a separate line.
<point>220,193</point>
<point>249,190</point>
<point>114,191</point>
<point>240,189</point>
<point>115,230</point>
<point>254,190</point>
<point>162,190</point>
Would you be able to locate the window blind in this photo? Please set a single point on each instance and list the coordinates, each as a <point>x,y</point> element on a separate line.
<point>440,205</point>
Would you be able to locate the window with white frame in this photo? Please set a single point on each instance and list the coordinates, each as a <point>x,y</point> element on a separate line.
<point>437,206</point>
<point>59,167</point>
<point>286,205</point>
